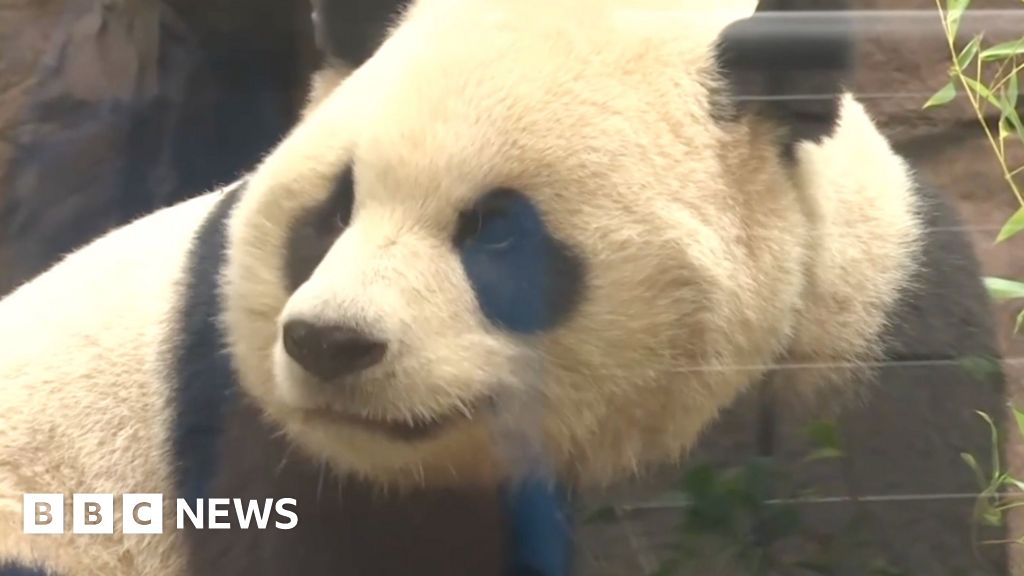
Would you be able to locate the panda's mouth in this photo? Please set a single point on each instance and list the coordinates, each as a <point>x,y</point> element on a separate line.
<point>404,430</point>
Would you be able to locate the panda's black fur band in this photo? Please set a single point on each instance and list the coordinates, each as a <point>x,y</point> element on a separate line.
<point>201,365</point>
<point>22,570</point>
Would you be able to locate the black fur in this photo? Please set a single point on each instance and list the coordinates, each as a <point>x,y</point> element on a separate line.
<point>948,317</point>
<point>7,569</point>
<point>202,369</point>
<point>345,528</point>
<point>352,30</point>
<point>787,64</point>
<point>313,234</point>
<point>525,280</point>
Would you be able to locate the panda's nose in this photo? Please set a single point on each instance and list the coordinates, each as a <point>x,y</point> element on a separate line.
<point>330,351</point>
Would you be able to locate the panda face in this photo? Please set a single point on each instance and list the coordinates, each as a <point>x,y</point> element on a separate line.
<point>374,292</point>
<point>537,235</point>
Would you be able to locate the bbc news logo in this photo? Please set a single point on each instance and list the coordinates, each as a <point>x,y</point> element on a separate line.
<point>143,514</point>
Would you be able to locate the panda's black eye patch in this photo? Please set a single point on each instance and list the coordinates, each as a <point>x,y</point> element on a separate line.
<point>495,221</point>
<point>525,280</point>
<point>315,231</point>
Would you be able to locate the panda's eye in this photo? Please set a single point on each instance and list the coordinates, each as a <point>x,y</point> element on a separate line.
<point>343,197</point>
<point>491,224</point>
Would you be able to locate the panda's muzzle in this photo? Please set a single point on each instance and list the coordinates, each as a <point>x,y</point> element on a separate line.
<point>329,352</point>
<point>403,430</point>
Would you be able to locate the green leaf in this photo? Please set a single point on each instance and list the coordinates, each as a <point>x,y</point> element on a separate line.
<point>983,91</point>
<point>823,434</point>
<point>968,53</point>
<point>1020,323</point>
<point>945,95</point>
<point>824,454</point>
<point>1019,417</point>
<point>1012,227</point>
<point>1002,289</point>
<point>1004,50</point>
<point>992,516</point>
<point>954,11</point>
<point>1009,116</point>
<point>995,445</point>
<point>973,464</point>
<point>1017,124</point>
<point>1013,481</point>
<point>1005,127</point>
<point>1014,91</point>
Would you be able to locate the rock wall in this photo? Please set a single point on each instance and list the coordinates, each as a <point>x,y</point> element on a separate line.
<point>112,108</point>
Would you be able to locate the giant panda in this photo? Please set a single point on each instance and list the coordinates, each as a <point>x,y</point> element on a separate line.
<point>513,249</point>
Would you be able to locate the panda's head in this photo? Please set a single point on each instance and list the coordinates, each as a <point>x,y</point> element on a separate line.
<point>521,219</point>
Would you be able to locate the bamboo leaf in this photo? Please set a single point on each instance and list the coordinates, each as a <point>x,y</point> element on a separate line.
<point>954,12</point>
<point>824,454</point>
<point>1003,50</point>
<point>1009,119</point>
<point>1012,227</point>
<point>1002,289</point>
<point>945,95</point>
<point>973,464</point>
<point>1013,90</point>
<point>968,53</point>
<point>983,91</point>
<point>1018,416</point>
<point>1014,118</point>
<point>1013,481</point>
<point>995,448</point>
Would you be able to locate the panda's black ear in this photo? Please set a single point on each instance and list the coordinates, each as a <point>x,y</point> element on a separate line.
<point>788,62</point>
<point>352,30</point>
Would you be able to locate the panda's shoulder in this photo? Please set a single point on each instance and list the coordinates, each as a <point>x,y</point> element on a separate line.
<point>109,263</point>
<point>116,294</point>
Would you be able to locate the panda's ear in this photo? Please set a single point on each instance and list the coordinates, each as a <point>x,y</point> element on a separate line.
<point>788,63</point>
<point>350,31</point>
